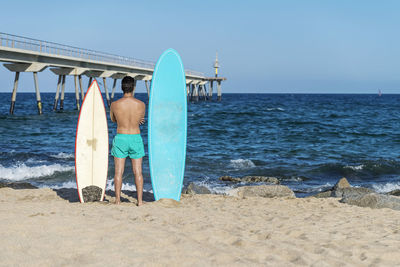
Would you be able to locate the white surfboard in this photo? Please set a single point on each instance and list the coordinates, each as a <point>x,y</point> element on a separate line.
<point>91,143</point>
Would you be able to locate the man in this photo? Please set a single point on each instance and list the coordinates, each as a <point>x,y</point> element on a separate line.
<point>128,112</point>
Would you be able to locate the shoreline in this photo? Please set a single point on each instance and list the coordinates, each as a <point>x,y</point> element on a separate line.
<point>42,226</point>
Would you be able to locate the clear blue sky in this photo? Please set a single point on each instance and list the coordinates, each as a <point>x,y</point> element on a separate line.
<point>282,46</point>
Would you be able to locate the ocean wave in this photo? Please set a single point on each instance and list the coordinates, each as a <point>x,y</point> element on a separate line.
<point>313,189</point>
<point>275,109</point>
<point>384,188</point>
<point>241,164</point>
<point>63,155</point>
<point>213,185</point>
<point>370,168</point>
<point>355,168</point>
<point>109,186</point>
<point>21,171</point>
<point>69,184</point>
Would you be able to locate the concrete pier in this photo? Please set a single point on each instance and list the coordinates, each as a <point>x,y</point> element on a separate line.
<point>81,87</point>
<point>195,92</point>
<point>57,92</point>
<point>23,54</point>
<point>147,88</point>
<point>76,92</point>
<point>62,93</point>
<point>38,99</point>
<point>14,93</point>
<point>210,92</point>
<point>89,83</point>
<point>113,89</point>
<point>219,92</point>
<point>106,90</point>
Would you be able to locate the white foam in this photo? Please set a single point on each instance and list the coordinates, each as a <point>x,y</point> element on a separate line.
<point>384,188</point>
<point>63,155</point>
<point>355,168</point>
<point>128,187</point>
<point>213,186</point>
<point>274,109</point>
<point>109,186</point>
<point>35,161</point>
<point>69,184</point>
<point>21,171</point>
<point>241,164</point>
<point>313,189</point>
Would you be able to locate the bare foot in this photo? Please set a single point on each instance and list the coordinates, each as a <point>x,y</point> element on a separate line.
<point>117,202</point>
<point>140,203</point>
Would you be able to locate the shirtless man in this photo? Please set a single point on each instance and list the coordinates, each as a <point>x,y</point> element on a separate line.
<point>128,112</point>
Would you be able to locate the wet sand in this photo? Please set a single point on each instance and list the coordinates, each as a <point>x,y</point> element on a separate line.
<point>49,227</point>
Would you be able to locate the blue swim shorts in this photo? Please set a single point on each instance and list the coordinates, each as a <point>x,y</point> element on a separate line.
<point>125,145</point>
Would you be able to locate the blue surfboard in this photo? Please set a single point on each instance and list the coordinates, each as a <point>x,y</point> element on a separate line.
<point>167,128</point>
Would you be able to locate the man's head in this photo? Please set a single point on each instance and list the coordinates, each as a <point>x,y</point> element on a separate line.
<point>127,84</point>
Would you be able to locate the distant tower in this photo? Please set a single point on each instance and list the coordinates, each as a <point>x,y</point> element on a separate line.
<point>216,64</point>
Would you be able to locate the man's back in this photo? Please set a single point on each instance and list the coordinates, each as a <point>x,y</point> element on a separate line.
<point>128,112</point>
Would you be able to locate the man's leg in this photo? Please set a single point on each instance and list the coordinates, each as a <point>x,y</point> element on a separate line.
<point>137,171</point>
<point>119,171</point>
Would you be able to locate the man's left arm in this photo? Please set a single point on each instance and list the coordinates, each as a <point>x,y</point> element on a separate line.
<point>142,121</point>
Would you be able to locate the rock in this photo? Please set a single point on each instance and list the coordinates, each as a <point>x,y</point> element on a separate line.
<point>230,179</point>
<point>260,179</point>
<point>268,191</point>
<point>250,179</point>
<point>395,192</point>
<point>168,203</point>
<point>342,183</point>
<point>351,192</point>
<point>21,185</point>
<point>193,189</point>
<point>374,201</point>
<point>323,194</point>
<point>91,193</point>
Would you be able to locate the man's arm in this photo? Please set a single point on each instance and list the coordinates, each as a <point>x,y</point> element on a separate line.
<point>112,117</point>
<point>142,114</point>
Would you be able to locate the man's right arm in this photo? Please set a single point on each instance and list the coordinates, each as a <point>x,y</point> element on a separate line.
<point>112,117</point>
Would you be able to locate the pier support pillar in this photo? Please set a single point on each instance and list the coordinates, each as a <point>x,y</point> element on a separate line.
<point>195,93</point>
<point>57,93</point>
<point>147,88</point>
<point>14,93</point>
<point>219,90</point>
<point>210,92</point>
<point>38,99</point>
<point>205,92</point>
<point>200,91</point>
<point>90,82</point>
<point>62,93</point>
<point>76,92</point>
<point>113,90</point>
<point>106,90</point>
<point>134,88</point>
<point>81,87</point>
<point>188,92</point>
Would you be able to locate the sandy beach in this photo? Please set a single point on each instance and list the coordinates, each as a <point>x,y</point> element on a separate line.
<point>49,227</point>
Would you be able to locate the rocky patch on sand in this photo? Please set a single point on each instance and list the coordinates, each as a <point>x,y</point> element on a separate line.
<point>373,200</point>
<point>361,196</point>
<point>395,192</point>
<point>91,193</point>
<point>267,191</point>
<point>17,185</point>
<point>193,189</point>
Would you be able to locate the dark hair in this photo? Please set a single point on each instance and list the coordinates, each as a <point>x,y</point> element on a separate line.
<point>127,84</point>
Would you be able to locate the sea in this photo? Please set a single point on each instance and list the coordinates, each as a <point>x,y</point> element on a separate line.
<point>307,141</point>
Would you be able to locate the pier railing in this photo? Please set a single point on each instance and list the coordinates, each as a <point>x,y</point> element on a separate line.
<point>40,46</point>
